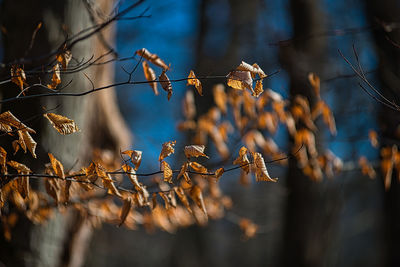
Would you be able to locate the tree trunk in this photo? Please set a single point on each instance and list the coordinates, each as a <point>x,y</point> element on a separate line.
<point>308,229</point>
<point>384,13</point>
<point>62,241</point>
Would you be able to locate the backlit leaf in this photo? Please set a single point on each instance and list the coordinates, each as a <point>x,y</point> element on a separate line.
<point>135,157</point>
<point>58,168</point>
<point>126,208</point>
<point>56,78</point>
<point>182,197</point>
<point>242,160</point>
<point>165,84</point>
<point>62,124</point>
<point>150,76</point>
<point>167,172</point>
<point>195,151</point>
<point>153,58</point>
<point>167,149</point>
<point>64,58</point>
<point>218,173</point>
<point>192,80</point>
<point>18,76</point>
<point>8,120</point>
<point>197,196</point>
<point>253,69</point>
<point>240,80</point>
<point>261,170</point>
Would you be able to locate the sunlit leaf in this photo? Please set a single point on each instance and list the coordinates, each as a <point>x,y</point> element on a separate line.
<point>192,80</point>
<point>167,149</point>
<point>64,58</point>
<point>195,151</point>
<point>135,157</point>
<point>197,196</point>
<point>62,124</point>
<point>58,168</point>
<point>56,78</point>
<point>240,80</point>
<point>242,160</point>
<point>182,197</point>
<point>167,172</point>
<point>150,76</point>
<point>18,76</point>
<point>165,84</point>
<point>126,208</point>
<point>197,167</point>
<point>261,170</point>
<point>218,173</point>
<point>153,58</point>
<point>8,120</point>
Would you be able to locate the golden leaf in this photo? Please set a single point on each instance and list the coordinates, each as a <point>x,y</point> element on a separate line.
<point>183,172</point>
<point>126,208</point>
<point>182,197</point>
<point>64,58</point>
<point>166,200</point>
<point>150,76</point>
<point>165,84</point>
<point>315,83</point>
<point>58,168</point>
<point>28,142</point>
<point>53,189</point>
<point>218,173</point>
<point>8,120</point>
<point>261,170</point>
<point>21,168</point>
<point>195,151</point>
<point>62,124</point>
<point>153,58</point>
<point>192,80</point>
<point>253,69</point>
<point>3,160</point>
<point>22,182</point>
<point>135,157</point>
<point>220,97</point>
<point>106,179</point>
<point>373,138</point>
<point>18,76</point>
<point>248,227</point>
<point>258,89</point>
<point>240,80</point>
<point>242,160</point>
<point>132,175</point>
<point>197,196</point>
<point>167,149</point>
<point>197,167</point>
<point>56,78</point>
<point>167,172</point>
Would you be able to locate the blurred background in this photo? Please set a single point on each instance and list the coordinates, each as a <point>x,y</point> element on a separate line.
<point>347,220</point>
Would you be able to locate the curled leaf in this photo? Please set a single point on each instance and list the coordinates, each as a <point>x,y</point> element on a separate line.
<point>183,172</point>
<point>197,167</point>
<point>58,168</point>
<point>240,80</point>
<point>167,171</point>
<point>153,58</point>
<point>56,78</point>
<point>18,76</point>
<point>64,58</point>
<point>182,197</point>
<point>126,208</point>
<point>167,149</point>
<point>261,170</point>
<point>8,120</point>
<point>192,80</point>
<point>150,76</point>
<point>242,160</point>
<point>135,157</point>
<point>218,173</point>
<point>165,84</point>
<point>253,69</point>
<point>315,83</point>
<point>62,124</point>
<point>195,151</point>
<point>197,196</point>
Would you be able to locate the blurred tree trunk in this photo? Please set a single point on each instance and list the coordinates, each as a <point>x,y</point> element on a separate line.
<point>63,240</point>
<point>311,209</point>
<point>384,13</point>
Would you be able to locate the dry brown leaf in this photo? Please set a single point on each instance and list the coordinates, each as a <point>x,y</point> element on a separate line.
<point>192,80</point>
<point>126,208</point>
<point>258,89</point>
<point>253,69</point>
<point>195,151</point>
<point>167,149</point>
<point>261,170</point>
<point>62,124</point>
<point>58,168</point>
<point>28,142</point>
<point>153,58</point>
<point>165,84</point>
<point>240,80</point>
<point>183,172</point>
<point>8,120</point>
<point>3,161</point>
<point>56,78</point>
<point>315,83</point>
<point>18,76</point>
<point>373,138</point>
<point>106,179</point>
<point>64,58</point>
<point>150,76</point>
<point>166,200</point>
<point>135,157</point>
<point>167,172</point>
<point>366,167</point>
<point>22,182</point>
<point>220,97</point>
<point>132,175</point>
<point>197,167</point>
<point>197,196</point>
<point>242,160</point>
<point>182,197</point>
<point>218,173</point>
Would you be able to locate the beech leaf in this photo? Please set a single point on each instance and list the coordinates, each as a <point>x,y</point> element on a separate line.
<point>167,149</point>
<point>192,80</point>
<point>150,76</point>
<point>62,124</point>
<point>153,58</point>
<point>165,84</point>
<point>195,151</point>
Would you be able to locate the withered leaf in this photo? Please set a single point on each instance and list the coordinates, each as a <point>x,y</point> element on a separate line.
<point>218,173</point>
<point>56,78</point>
<point>258,89</point>
<point>192,80</point>
<point>106,179</point>
<point>126,207</point>
<point>135,157</point>
<point>22,182</point>
<point>167,172</point>
<point>3,160</point>
<point>183,172</point>
<point>18,76</point>
<point>58,168</point>
<point>8,120</point>
<point>153,58</point>
<point>220,97</point>
<point>150,76</point>
<point>182,197</point>
<point>195,151</point>
<point>197,196</point>
<point>28,142</point>
<point>64,58</point>
<point>197,167</point>
<point>240,80</point>
<point>165,84</point>
<point>261,170</point>
<point>62,124</point>
<point>242,160</point>
<point>166,200</point>
<point>167,149</point>
<point>253,69</point>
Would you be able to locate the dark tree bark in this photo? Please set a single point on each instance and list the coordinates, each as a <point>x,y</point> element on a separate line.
<point>311,209</point>
<point>382,14</point>
<point>62,241</point>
